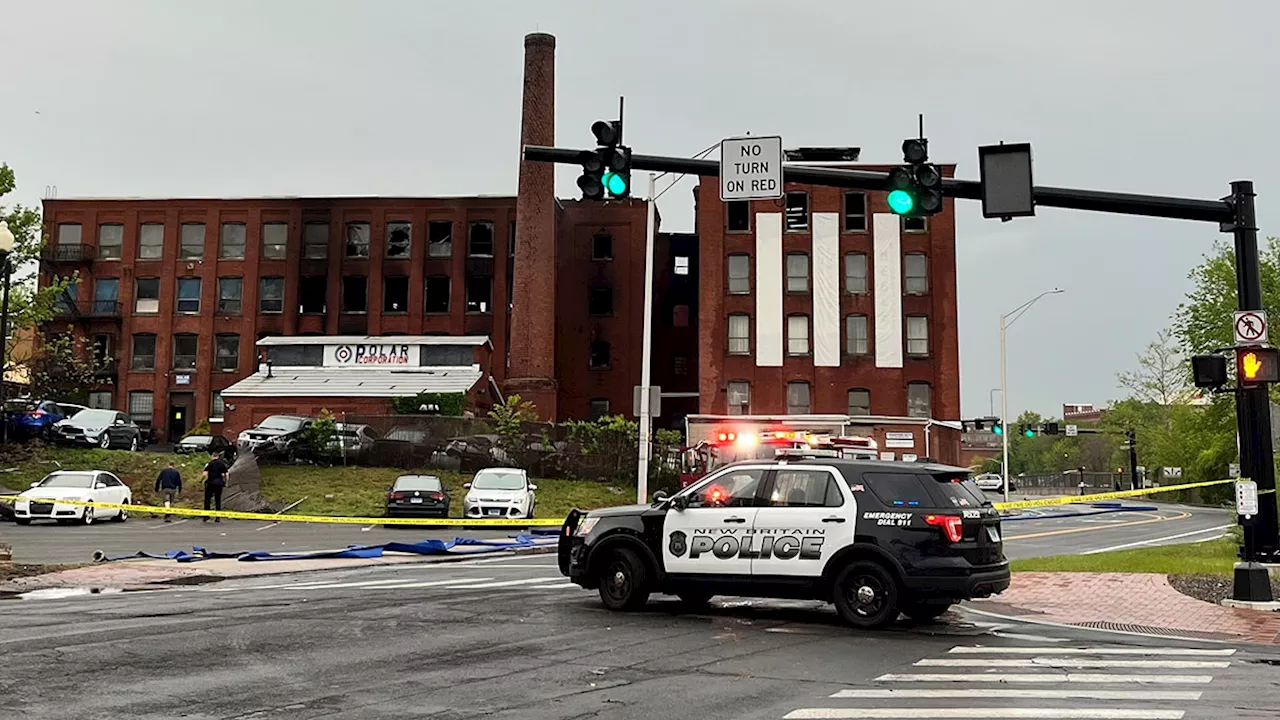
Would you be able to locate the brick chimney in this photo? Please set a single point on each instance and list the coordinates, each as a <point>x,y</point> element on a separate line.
<point>533,316</point>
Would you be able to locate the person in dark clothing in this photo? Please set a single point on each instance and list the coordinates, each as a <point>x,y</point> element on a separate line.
<point>169,484</point>
<point>215,479</point>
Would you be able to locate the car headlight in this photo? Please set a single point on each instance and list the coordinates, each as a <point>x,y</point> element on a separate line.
<point>585,526</point>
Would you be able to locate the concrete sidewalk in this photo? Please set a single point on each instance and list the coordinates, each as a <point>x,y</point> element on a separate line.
<point>147,574</point>
<point>1142,603</point>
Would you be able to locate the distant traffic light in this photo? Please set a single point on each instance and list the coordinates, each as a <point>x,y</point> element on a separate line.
<point>915,189</point>
<point>1051,428</point>
<point>1255,366</point>
<point>997,428</point>
<point>1029,430</point>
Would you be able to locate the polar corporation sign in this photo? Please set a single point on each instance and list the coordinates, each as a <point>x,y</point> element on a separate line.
<point>369,355</point>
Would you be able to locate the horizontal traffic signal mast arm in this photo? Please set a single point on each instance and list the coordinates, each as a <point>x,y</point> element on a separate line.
<point>1219,211</point>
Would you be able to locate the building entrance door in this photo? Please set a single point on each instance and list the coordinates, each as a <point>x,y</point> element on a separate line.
<point>181,406</point>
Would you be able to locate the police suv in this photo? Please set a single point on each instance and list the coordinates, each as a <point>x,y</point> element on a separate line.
<point>875,538</point>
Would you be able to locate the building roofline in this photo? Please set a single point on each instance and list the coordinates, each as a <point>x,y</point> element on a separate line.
<point>281,340</point>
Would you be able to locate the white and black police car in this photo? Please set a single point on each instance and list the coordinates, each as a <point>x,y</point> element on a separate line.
<point>875,538</point>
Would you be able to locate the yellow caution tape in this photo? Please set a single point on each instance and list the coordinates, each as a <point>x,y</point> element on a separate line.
<point>1070,499</point>
<point>271,517</point>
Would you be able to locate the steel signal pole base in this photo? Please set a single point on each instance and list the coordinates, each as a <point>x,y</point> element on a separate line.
<point>1252,583</point>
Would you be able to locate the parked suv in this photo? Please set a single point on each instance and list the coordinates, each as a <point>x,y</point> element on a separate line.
<point>874,538</point>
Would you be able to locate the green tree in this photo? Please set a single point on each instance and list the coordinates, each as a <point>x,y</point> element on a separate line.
<point>1202,321</point>
<point>62,366</point>
<point>509,419</point>
<point>318,440</point>
<point>1162,374</point>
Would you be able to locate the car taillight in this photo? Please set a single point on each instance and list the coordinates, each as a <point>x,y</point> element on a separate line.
<point>435,495</point>
<point>36,413</point>
<point>952,526</point>
<point>397,495</point>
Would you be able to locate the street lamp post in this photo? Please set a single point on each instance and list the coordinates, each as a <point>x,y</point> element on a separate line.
<point>1005,322</point>
<point>7,241</point>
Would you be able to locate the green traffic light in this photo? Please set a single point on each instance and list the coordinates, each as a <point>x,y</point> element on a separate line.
<point>901,202</point>
<point>615,184</point>
<point>1030,432</point>
<point>998,430</point>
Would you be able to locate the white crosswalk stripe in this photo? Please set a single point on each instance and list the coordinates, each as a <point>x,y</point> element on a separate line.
<point>1034,682</point>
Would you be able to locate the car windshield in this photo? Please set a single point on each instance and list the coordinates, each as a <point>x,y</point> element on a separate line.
<point>418,482</point>
<point>197,440</point>
<point>94,417</point>
<point>67,480</point>
<point>286,424</point>
<point>498,480</point>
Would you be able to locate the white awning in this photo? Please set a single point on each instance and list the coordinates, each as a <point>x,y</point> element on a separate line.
<point>355,382</point>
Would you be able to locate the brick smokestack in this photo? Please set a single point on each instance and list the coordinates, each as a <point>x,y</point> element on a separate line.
<point>533,314</point>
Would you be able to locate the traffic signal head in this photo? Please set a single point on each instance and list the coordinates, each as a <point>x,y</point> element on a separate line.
<point>606,132</point>
<point>1051,428</point>
<point>915,151</point>
<point>617,171</point>
<point>997,428</point>
<point>928,189</point>
<point>902,199</point>
<point>1255,366</point>
<point>1029,430</point>
<point>591,181</point>
<point>1209,371</point>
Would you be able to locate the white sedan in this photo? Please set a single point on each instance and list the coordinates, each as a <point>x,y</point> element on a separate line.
<point>40,502</point>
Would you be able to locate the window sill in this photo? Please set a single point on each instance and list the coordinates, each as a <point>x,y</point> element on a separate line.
<point>737,232</point>
<point>861,293</point>
<point>395,312</point>
<point>477,312</point>
<point>911,356</point>
<point>847,231</point>
<point>142,370</point>
<point>915,294</point>
<point>601,259</point>
<point>231,257</point>
<point>158,257</point>
<point>355,312</point>
<point>397,257</point>
<point>270,312</point>
<point>480,255</point>
<point>107,259</point>
<point>798,293</point>
<point>600,368</point>
<point>215,420</point>
<point>191,259</point>
<point>436,313</point>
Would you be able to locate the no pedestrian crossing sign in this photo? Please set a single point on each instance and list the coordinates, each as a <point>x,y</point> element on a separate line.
<point>751,168</point>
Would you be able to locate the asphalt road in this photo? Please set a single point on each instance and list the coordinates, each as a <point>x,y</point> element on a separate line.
<point>508,638</point>
<point>51,543</point>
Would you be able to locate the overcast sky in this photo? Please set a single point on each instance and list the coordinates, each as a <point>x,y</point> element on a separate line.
<point>315,97</point>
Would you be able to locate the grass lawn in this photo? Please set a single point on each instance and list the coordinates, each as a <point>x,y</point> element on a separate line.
<point>349,491</point>
<point>1214,557</point>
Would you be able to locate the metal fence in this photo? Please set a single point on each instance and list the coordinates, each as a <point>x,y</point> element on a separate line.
<point>1068,483</point>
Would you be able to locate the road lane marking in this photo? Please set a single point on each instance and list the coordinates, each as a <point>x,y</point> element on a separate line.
<point>1047,678</point>
<point>982,713</point>
<point>264,527</point>
<point>470,584</point>
<point>1080,694</point>
<point>1009,538</point>
<point>1218,528</point>
<point>980,650</point>
<point>1071,663</point>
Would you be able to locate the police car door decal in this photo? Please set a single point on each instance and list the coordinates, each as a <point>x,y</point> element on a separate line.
<point>808,516</point>
<point>712,533</point>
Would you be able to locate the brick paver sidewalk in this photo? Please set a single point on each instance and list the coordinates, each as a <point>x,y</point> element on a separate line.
<point>1140,602</point>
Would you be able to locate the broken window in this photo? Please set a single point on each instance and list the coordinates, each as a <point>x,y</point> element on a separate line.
<point>230,290</point>
<point>231,245</point>
<point>914,224</point>
<point>275,240</point>
<point>271,295</point>
<point>480,239</point>
<point>395,294</point>
<point>855,212</point>
<point>479,294</point>
<point>738,216</point>
<point>601,302</point>
<point>399,236</point>
<point>146,296</point>
<point>313,291</point>
<point>358,239</point>
<point>227,353</point>
<point>437,294</point>
<point>315,240</point>
<point>602,247</point>
<point>440,238</point>
<point>355,289</point>
<point>191,242</point>
<point>600,351</point>
<point>797,216</point>
<point>185,351</point>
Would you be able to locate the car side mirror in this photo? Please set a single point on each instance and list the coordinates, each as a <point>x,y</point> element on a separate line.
<point>533,487</point>
<point>100,486</point>
<point>34,484</point>
<point>466,485</point>
<point>680,502</point>
<point>660,496</point>
<point>119,421</point>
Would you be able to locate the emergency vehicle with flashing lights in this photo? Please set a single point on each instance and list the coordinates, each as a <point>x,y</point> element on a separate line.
<point>875,538</point>
<point>702,458</point>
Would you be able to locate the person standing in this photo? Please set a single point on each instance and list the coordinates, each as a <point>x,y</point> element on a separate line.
<point>215,479</point>
<point>169,485</point>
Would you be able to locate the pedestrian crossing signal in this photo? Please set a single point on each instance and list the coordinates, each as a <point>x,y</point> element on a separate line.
<point>1256,366</point>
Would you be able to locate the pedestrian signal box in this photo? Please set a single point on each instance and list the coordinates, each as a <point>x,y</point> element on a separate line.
<point>1257,365</point>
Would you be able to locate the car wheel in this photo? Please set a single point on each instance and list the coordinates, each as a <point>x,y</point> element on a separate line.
<point>104,442</point>
<point>923,611</point>
<point>123,515</point>
<point>22,521</point>
<point>623,581</point>
<point>133,444</point>
<point>87,518</point>
<point>866,595</point>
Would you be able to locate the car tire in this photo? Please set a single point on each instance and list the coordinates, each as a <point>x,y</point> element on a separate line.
<point>104,442</point>
<point>123,515</point>
<point>623,580</point>
<point>22,521</point>
<point>866,595</point>
<point>922,611</point>
<point>87,518</point>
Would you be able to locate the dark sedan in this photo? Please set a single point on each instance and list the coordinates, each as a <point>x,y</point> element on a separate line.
<point>417,496</point>
<point>212,444</point>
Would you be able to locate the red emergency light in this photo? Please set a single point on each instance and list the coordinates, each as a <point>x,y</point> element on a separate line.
<point>727,436</point>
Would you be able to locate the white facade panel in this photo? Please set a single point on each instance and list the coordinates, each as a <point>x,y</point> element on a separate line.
<point>769,271</point>
<point>826,289</point>
<point>886,262</point>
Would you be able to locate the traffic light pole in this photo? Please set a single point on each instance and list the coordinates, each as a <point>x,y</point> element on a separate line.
<point>1233,214</point>
<point>1253,404</point>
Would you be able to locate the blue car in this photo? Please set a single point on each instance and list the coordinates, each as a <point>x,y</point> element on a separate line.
<point>37,418</point>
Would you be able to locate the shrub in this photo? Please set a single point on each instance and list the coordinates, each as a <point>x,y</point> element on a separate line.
<point>450,404</point>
